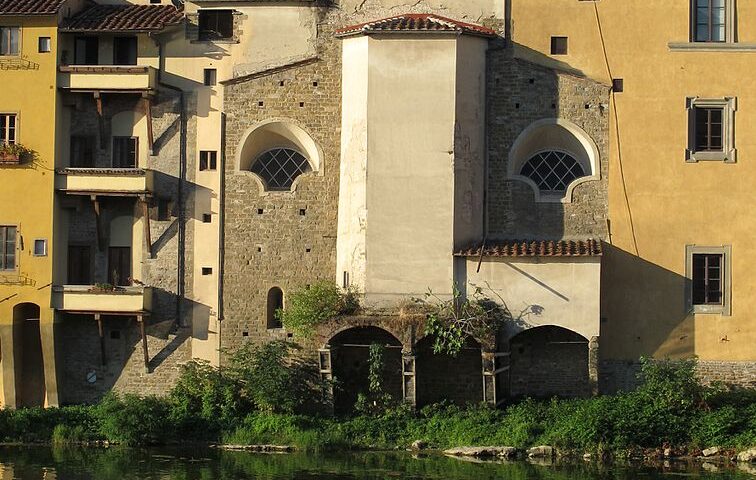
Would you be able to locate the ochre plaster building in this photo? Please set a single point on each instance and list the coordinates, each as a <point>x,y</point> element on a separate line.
<point>198,161</point>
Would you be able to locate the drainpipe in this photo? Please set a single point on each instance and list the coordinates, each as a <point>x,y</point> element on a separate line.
<point>180,286</point>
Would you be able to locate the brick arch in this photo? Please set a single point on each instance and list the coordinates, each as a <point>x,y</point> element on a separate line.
<point>405,332</point>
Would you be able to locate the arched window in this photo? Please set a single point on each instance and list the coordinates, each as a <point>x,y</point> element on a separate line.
<point>552,171</point>
<point>275,303</point>
<point>553,156</point>
<point>279,167</point>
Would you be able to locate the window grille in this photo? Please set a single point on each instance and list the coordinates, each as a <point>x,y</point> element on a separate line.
<point>280,167</point>
<point>552,171</point>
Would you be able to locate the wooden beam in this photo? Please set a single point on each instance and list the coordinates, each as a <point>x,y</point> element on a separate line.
<point>146,219</point>
<point>98,222</point>
<point>148,114</point>
<point>98,318</point>
<point>100,120</point>
<point>140,319</point>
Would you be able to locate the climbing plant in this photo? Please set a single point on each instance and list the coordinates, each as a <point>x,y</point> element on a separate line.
<point>315,304</point>
<point>450,322</point>
<point>376,400</point>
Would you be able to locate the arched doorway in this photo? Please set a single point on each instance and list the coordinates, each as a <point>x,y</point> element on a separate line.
<point>457,379</point>
<point>350,352</point>
<point>549,361</point>
<point>29,365</point>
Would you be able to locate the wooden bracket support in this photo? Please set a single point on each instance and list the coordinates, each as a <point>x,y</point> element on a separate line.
<point>147,106</point>
<point>146,218</point>
<point>141,321</point>
<point>100,120</point>
<point>98,222</point>
<point>101,331</point>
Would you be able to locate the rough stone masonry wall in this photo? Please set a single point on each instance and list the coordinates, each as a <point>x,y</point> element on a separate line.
<point>521,93</point>
<point>283,239</point>
<point>77,338</point>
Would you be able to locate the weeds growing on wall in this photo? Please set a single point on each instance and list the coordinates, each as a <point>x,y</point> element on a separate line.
<point>669,408</point>
<point>315,304</point>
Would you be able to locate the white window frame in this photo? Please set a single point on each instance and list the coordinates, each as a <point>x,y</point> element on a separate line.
<point>725,309</point>
<point>20,41</point>
<point>44,247</point>
<point>728,154</point>
<point>4,135</point>
<point>729,23</point>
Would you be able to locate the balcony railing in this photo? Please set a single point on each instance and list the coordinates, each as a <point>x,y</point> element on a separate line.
<point>107,77</point>
<point>102,299</point>
<point>104,181</point>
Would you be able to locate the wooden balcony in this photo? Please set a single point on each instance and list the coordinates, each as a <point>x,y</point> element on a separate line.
<point>105,181</point>
<point>112,78</point>
<point>106,300</point>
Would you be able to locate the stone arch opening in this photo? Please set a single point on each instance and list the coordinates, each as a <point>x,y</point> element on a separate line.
<point>27,352</point>
<point>350,350</point>
<point>457,379</point>
<point>549,361</point>
<point>553,156</point>
<point>277,153</point>
<point>274,303</point>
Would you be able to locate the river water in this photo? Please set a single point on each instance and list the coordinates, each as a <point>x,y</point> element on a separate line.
<point>44,463</point>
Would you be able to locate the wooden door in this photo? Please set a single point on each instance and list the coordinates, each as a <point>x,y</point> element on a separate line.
<point>79,265</point>
<point>119,265</point>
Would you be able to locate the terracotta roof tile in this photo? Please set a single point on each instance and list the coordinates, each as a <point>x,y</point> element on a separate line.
<point>124,18</point>
<point>416,22</point>
<point>30,7</point>
<point>536,248</point>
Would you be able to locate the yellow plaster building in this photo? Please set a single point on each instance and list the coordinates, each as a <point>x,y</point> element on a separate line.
<point>28,108</point>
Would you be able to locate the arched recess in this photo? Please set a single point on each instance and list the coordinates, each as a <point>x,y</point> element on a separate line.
<point>548,361</point>
<point>27,352</point>
<point>556,142</point>
<point>271,137</point>
<point>350,351</point>
<point>274,303</point>
<point>457,379</point>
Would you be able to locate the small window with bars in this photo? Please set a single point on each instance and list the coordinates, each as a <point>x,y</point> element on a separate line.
<point>8,128</point>
<point>7,247</point>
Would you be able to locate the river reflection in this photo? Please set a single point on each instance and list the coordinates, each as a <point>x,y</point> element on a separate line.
<point>41,463</point>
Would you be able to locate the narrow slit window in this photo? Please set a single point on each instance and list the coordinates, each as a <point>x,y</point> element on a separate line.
<point>274,304</point>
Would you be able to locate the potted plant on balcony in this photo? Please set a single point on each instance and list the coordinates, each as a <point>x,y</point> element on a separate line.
<point>14,153</point>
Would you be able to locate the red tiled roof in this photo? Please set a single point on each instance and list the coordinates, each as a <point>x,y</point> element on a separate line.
<point>124,18</point>
<point>416,22</point>
<point>536,248</point>
<point>30,7</point>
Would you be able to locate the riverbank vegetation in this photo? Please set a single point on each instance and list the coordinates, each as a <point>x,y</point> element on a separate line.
<point>262,397</point>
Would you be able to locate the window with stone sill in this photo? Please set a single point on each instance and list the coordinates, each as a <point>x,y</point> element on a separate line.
<point>708,279</point>
<point>711,129</point>
<point>280,167</point>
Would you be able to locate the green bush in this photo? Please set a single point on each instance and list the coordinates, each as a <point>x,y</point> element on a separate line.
<point>133,420</point>
<point>310,306</point>
<point>272,378</point>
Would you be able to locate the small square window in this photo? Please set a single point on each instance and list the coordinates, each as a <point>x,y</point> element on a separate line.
<point>207,271</point>
<point>208,160</point>
<point>708,273</point>
<point>211,77</point>
<point>618,85</point>
<point>163,210</point>
<point>40,247</point>
<point>559,45</point>
<point>207,218</point>
<point>45,45</point>
<point>711,129</point>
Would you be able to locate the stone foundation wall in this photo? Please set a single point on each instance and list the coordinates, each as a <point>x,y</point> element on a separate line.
<point>622,375</point>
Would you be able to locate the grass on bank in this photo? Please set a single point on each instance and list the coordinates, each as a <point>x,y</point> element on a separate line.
<point>262,397</point>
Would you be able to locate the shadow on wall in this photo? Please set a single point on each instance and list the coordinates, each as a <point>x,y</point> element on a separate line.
<point>645,312</point>
<point>83,377</point>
